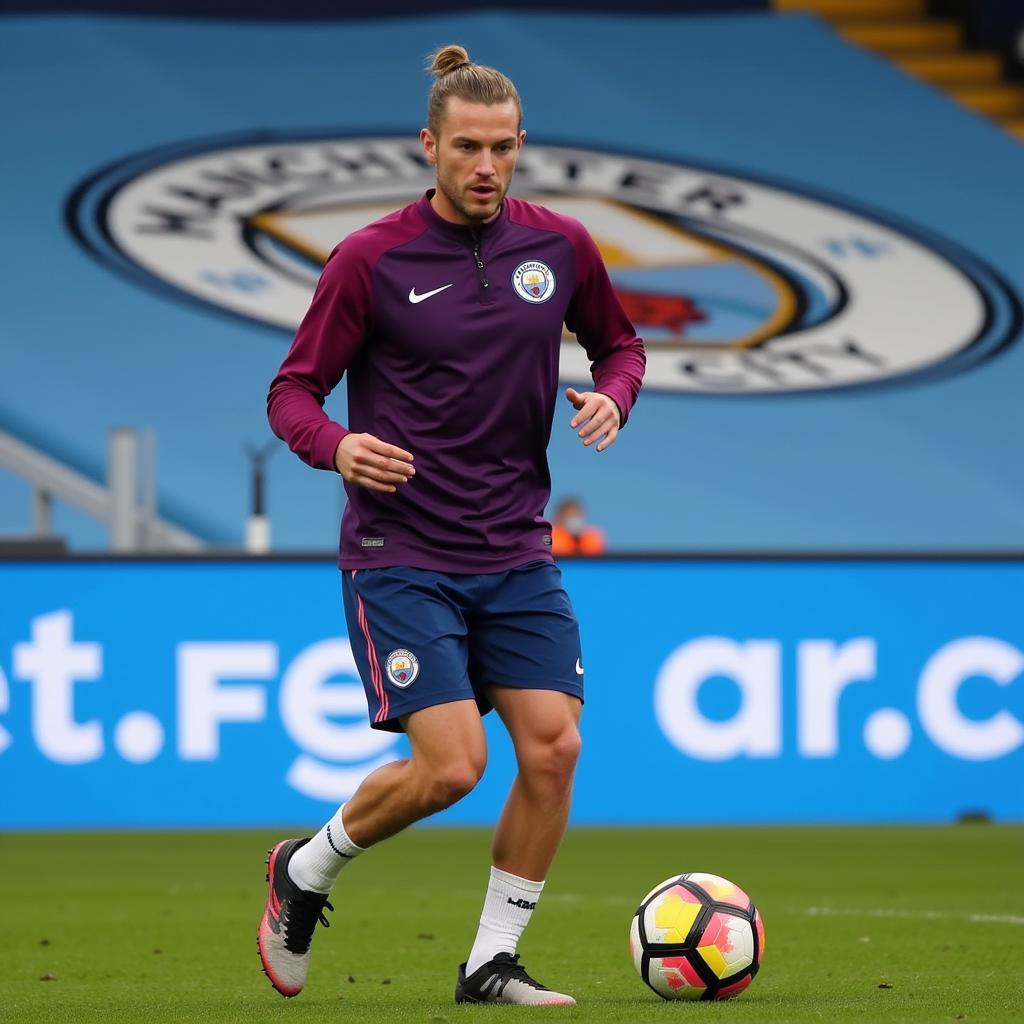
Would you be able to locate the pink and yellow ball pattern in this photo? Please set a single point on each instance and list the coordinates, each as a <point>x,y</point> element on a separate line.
<point>697,936</point>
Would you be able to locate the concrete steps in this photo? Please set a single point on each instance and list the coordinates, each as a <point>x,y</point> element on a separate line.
<point>1014,125</point>
<point>835,9</point>
<point>952,70</point>
<point>928,48</point>
<point>903,36</point>
<point>992,100</point>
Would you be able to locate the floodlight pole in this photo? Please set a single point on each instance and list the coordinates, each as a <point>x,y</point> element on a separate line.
<point>257,526</point>
<point>122,479</point>
<point>42,512</point>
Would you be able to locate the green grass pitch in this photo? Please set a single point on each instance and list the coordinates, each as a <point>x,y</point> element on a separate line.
<point>862,924</point>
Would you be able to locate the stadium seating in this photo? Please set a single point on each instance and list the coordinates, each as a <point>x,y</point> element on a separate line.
<point>745,96</point>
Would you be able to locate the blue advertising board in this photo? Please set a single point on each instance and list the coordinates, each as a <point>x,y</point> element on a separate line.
<point>224,693</point>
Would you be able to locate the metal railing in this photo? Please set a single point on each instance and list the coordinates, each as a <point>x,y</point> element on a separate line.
<point>133,524</point>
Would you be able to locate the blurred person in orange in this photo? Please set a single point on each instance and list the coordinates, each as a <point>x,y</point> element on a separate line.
<point>571,534</point>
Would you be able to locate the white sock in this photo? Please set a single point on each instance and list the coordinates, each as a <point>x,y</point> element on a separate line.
<point>316,866</point>
<point>508,906</point>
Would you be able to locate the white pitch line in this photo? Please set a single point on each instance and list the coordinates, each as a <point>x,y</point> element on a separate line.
<point>576,897</point>
<point>916,915</point>
<point>907,915</point>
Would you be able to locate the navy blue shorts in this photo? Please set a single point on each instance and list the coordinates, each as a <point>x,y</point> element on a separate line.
<point>422,638</point>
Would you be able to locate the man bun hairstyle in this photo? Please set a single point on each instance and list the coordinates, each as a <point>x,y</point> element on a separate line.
<point>456,75</point>
<point>447,59</point>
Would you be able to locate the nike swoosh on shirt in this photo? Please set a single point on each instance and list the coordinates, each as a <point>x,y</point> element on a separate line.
<point>414,298</point>
<point>579,667</point>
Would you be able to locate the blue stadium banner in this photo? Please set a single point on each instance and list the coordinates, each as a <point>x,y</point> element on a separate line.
<point>224,693</point>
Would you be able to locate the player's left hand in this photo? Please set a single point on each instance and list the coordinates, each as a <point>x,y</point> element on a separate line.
<point>597,415</point>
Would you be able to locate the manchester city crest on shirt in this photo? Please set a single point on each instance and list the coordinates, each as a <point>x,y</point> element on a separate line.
<point>402,667</point>
<point>534,281</point>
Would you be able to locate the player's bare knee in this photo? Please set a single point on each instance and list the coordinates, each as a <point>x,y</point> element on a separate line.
<point>553,761</point>
<point>444,790</point>
<point>448,785</point>
<point>565,753</point>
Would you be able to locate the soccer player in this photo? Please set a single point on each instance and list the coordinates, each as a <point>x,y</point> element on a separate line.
<point>447,316</point>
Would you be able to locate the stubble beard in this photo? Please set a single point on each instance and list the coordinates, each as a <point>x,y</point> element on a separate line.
<point>453,196</point>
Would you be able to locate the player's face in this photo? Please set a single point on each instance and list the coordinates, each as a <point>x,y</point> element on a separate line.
<point>475,156</point>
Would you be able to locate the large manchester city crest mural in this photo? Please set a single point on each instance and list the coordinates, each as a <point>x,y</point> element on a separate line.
<point>738,285</point>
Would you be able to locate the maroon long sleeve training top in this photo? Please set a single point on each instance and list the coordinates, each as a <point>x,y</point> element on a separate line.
<point>450,338</point>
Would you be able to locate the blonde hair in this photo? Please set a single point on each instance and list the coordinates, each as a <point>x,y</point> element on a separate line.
<point>456,75</point>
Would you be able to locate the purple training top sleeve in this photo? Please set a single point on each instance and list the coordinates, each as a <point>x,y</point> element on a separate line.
<point>596,317</point>
<point>328,339</point>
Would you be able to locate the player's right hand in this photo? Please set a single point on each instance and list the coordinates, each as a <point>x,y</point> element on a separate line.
<point>372,463</point>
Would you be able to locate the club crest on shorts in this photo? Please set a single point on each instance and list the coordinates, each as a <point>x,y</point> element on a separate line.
<point>534,281</point>
<point>402,667</point>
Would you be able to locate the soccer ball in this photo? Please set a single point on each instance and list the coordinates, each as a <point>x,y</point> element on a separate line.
<point>697,936</point>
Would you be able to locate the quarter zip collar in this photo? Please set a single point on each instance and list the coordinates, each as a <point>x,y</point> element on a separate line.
<point>463,233</point>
